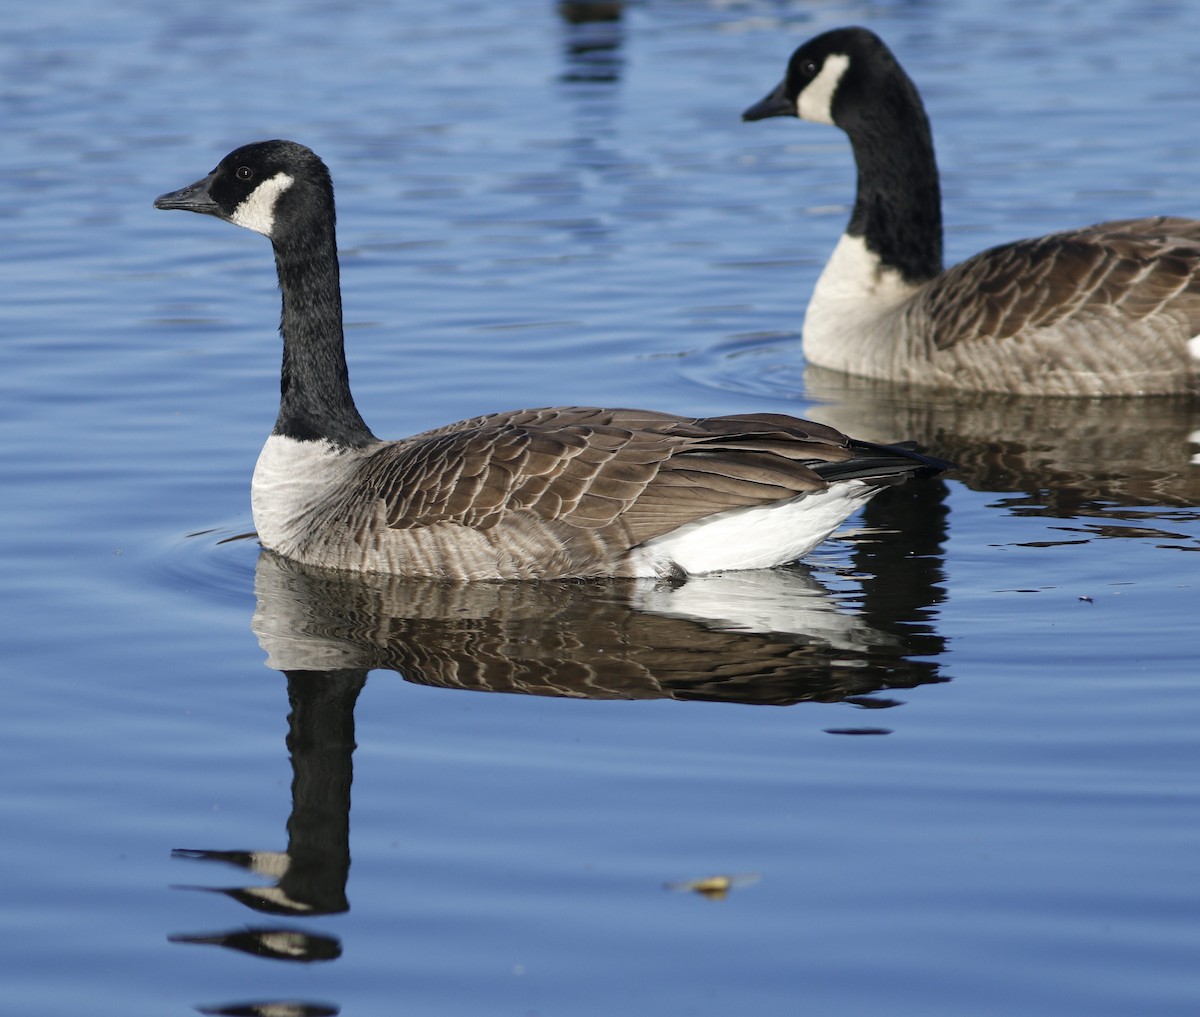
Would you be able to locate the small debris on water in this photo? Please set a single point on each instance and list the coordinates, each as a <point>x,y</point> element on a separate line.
<point>714,887</point>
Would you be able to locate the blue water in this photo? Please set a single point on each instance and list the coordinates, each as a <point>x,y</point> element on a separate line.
<point>950,761</point>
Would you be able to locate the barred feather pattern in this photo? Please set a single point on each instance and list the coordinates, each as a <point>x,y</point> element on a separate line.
<point>1084,311</point>
<point>546,493</point>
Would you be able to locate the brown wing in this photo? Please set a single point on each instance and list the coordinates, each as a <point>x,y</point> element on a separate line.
<point>732,462</point>
<point>1136,267</point>
<point>587,467</point>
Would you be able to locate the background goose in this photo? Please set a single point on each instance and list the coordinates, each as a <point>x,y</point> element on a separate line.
<point>1111,309</point>
<point>545,493</point>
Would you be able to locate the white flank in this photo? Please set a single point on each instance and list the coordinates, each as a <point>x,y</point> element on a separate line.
<point>753,538</point>
<point>1193,345</point>
<point>815,102</point>
<point>257,211</point>
<point>292,481</point>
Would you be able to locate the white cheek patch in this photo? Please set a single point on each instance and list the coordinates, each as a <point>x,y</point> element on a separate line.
<point>257,211</point>
<point>816,101</point>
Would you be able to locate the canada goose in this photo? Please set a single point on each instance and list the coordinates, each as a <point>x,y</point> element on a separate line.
<point>1111,309</point>
<point>545,493</point>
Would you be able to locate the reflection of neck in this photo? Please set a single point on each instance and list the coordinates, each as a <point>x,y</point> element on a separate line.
<point>321,743</point>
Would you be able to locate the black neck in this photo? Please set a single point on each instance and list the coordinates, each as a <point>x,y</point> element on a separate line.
<point>315,400</point>
<point>898,208</point>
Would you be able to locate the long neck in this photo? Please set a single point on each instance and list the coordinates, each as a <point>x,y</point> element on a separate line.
<point>315,400</point>
<point>898,209</point>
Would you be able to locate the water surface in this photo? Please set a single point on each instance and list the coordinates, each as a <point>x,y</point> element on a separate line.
<point>949,761</point>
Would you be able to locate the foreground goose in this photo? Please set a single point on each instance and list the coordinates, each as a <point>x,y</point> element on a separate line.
<point>546,493</point>
<point>1111,309</point>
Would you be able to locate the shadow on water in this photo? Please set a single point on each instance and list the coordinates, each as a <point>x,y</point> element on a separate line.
<point>772,638</point>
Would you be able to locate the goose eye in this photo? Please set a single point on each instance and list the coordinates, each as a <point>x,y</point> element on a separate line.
<point>244,173</point>
<point>808,68</point>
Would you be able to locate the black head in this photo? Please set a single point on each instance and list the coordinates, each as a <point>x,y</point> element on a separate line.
<point>826,75</point>
<point>270,187</point>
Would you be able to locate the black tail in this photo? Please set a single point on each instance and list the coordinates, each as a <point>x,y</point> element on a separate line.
<point>884,463</point>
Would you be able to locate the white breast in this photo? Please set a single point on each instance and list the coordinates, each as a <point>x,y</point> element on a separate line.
<point>293,481</point>
<point>852,316</point>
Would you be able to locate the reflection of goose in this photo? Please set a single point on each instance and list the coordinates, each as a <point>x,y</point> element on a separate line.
<point>548,493</point>
<point>770,637</point>
<point>271,1008</point>
<point>1068,457</point>
<point>276,944</point>
<point>594,34</point>
<point>1110,309</point>
<point>309,878</point>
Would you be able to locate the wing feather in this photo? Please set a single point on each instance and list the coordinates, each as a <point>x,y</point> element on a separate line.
<point>1139,266</point>
<point>591,468</point>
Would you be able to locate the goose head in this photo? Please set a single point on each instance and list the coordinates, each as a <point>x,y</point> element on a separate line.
<point>830,78</point>
<point>276,188</point>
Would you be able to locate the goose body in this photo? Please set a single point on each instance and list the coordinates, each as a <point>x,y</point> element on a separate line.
<point>546,493</point>
<point>1109,309</point>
